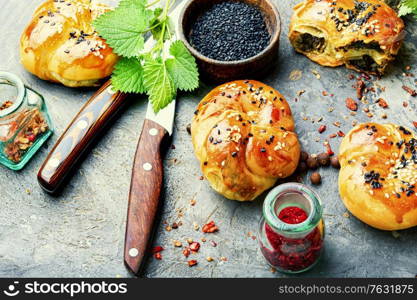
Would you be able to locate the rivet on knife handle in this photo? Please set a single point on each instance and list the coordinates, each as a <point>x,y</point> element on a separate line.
<point>145,189</point>
<point>82,131</point>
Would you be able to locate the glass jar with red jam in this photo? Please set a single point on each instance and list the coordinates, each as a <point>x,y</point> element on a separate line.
<point>291,233</point>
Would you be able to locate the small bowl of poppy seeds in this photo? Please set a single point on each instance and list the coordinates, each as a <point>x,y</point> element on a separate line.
<point>231,39</point>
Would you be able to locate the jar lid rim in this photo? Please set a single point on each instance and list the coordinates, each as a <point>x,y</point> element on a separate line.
<point>269,209</point>
<point>21,91</point>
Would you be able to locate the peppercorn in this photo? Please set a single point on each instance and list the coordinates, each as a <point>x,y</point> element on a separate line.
<point>312,162</point>
<point>324,159</point>
<point>189,128</point>
<point>304,155</point>
<point>334,161</point>
<point>302,167</point>
<point>315,178</point>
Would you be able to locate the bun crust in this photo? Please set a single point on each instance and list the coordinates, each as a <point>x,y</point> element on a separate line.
<point>378,174</point>
<point>364,35</point>
<point>60,44</point>
<point>243,136</point>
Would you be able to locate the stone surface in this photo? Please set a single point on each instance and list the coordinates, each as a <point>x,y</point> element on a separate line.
<point>81,233</point>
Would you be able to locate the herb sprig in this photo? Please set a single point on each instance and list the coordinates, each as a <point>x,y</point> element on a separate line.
<point>160,72</point>
<point>408,7</point>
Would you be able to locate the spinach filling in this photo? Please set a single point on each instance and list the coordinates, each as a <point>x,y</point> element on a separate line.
<point>307,43</point>
<point>366,64</point>
<point>361,45</point>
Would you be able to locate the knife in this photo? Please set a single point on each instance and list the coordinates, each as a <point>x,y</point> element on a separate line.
<point>146,184</point>
<point>147,180</point>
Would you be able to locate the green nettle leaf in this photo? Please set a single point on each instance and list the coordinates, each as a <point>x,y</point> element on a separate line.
<point>404,10</point>
<point>133,3</point>
<point>128,76</point>
<point>157,12</point>
<point>182,67</point>
<point>123,29</point>
<point>158,84</point>
<point>408,7</point>
<point>157,31</point>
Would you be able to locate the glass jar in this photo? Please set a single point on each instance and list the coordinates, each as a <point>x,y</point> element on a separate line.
<point>24,122</point>
<point>291,232</point>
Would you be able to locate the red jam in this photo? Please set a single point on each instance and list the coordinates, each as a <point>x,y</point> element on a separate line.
<point>293,254</point>
<point>292,215</point>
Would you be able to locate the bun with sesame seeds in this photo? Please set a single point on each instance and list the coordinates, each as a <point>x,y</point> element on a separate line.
<point>243,136</point>
<point>378,175</point>
<point>60,44</point>
<point>364,35</point>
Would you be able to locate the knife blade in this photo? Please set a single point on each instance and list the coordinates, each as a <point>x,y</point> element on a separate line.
<point>147,180</point>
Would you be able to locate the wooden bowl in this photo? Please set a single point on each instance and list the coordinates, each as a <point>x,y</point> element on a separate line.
<point>222,71</point>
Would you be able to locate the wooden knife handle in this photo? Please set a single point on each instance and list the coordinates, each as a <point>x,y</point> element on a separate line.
<point>78,136</point>
<point>145,189</point>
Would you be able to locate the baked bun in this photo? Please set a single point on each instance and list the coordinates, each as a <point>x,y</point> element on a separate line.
<point>243,136</point>
<point>378,175</point>
<point>363,35</point>
<point>61,45</point>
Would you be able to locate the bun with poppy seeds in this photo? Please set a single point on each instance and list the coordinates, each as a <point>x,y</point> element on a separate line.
<point>378,175</point>
<point>61,45</point>
<point>243,136</point>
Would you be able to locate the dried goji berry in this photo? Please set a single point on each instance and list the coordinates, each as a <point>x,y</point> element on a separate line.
<point>210,227</point>
<point>195,246</point>
<point>186,252</point>
<point>192,262</point>
<point>322,128</point>
<point>351,104</point>
<point>157,249</point>
<point>382,103</point>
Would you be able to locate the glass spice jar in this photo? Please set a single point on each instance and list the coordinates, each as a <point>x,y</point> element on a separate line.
<point>24,122</point>
<point>291,232</point>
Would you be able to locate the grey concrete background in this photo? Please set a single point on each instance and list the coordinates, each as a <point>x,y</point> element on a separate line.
<point>81,233</point>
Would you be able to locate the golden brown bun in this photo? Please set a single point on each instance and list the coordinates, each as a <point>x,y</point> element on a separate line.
<point>378,174</point>
<point>363,35</point>
<point>243,136</point>
<point>61,45</point>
